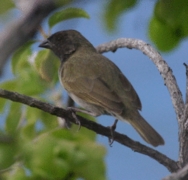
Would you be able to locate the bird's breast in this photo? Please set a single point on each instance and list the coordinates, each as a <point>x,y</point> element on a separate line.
<point>60,75</point>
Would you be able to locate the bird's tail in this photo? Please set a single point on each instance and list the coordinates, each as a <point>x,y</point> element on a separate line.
<point>145,130</point>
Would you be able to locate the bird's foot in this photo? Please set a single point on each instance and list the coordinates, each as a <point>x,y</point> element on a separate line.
<point>73,111</point>
<point>112,129</point>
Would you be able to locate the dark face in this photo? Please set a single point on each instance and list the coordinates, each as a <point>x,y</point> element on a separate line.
<point>65,43</point>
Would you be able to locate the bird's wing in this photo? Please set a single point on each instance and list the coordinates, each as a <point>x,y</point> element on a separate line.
<point>96,92</point>
<point>129,95</point>
<point>99,81</point>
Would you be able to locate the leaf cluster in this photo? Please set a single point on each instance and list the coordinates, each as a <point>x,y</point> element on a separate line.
<point>33,144</point>
<point>169,24</point>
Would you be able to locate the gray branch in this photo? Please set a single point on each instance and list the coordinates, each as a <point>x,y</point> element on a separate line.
<point>180,175</point>
<point>169,81</point>
<point>181,109</point>
<point>170,164</point>
<point>157,59</point>
<point>186,68</point>
<point>183,129</point>
<point>21,30</point>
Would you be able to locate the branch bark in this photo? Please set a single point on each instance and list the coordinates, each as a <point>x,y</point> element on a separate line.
<point>162,66</point>
<point>21,30</point>
<point>180,108</point>
<point>183,129</point>
<point>169,80</point>
<point>170,164</point>
<point>186,69</point>
<point>180,175</point>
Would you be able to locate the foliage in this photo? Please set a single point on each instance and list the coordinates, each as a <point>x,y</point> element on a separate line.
<point>66,14</point>
<point>169,24</point>
<point>114,8</point>
<point>33,145</point>
<point>6,6</point>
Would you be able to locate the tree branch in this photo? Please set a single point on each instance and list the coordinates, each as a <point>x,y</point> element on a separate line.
<point>170,82</point>
<point>99,129</point>
<point>180,175</point>
<point>21,30</point>
<point>183,129</point>
<point>161,65</point>
<point>186,68</point>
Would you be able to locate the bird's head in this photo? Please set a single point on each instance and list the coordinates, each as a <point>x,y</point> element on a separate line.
<point>65,43</point>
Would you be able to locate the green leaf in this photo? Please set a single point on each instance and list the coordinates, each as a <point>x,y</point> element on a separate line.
<point>6,5</point>
<point>31,84</point>
<point>162,35</point>
<point>9,85</point>
<point>114,8</point>
<point>80,154</point>
<point>94,170</point>
<point>47,65</point>
<point>46,148</point>
<point>28,83</point>
<point>170,11</point>
<point>48,121</point>
<point>7,154</point>
<point>66,14</point>
<point>20,58</point>
<point>168,25</point>
<point>2,104</point>
<point>13,118</point>
<point>68,155</point>
<point>28,132</point>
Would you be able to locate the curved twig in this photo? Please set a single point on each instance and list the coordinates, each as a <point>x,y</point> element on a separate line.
<point>157,59</point>
<point>169,81</point>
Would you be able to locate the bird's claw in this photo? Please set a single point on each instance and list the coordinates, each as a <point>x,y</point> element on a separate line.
<point>112,130</point>
<point>73,113</point>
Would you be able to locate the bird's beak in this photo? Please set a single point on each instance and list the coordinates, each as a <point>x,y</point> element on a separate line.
<point>45,44</point>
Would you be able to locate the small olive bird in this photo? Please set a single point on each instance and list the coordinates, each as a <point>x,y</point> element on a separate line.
<point>96,83</point>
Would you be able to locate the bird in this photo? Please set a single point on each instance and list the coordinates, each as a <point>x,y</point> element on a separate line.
<point>96,84</point>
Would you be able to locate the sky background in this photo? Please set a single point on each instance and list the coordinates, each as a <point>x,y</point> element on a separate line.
<point>123,163</point>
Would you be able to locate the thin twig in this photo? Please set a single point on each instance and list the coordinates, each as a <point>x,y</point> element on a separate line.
<point>42,32</point>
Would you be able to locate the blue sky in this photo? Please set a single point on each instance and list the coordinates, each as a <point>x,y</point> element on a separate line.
<point>123,163</point>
